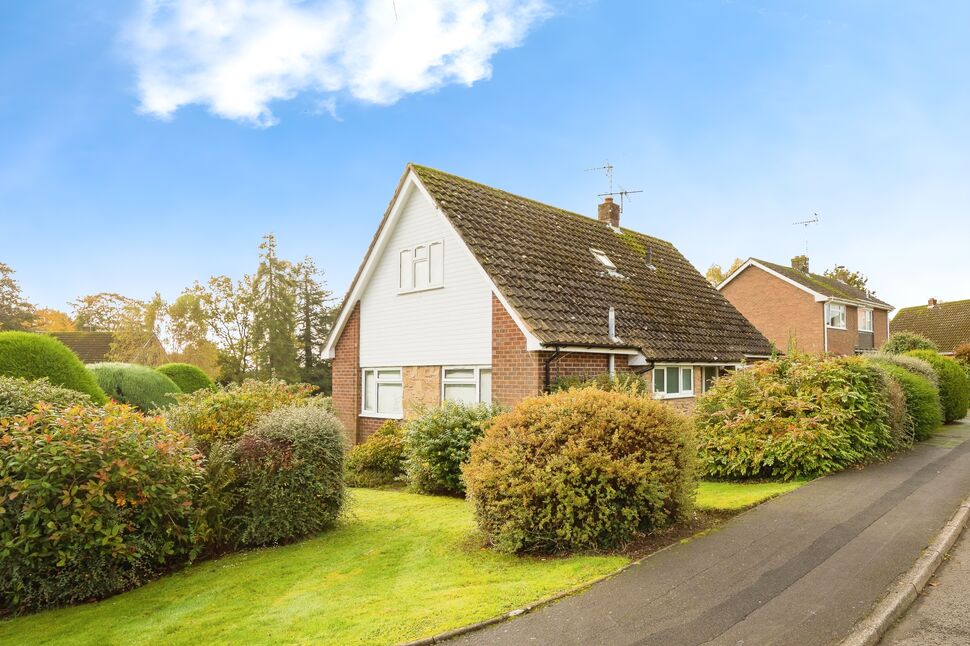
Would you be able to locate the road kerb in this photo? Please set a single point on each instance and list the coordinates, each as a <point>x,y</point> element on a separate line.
<point>906,589</point>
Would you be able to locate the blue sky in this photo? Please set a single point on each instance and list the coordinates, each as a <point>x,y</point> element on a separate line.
<point>135,155</point>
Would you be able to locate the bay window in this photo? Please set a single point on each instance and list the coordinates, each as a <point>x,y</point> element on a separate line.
<point>382,392</point>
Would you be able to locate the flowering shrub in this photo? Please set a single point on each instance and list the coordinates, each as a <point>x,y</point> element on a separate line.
<point>379,460</point>
<point>954,387</point>
<point>228,412</point>
<point>581,469</point>
<point>20,396</point>
<point>92,502</point>
<point>795,416</point>
<point>438,442</point>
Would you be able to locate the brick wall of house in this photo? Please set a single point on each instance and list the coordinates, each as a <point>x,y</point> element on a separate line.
<point>880,326</point>
<point>346,375</point>
<point>844,342</point>
<point>778,309</point>
<point>516,372</point>
<point>367,426</point>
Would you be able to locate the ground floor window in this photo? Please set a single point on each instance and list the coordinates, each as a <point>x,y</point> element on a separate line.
<point>673,381</point>
<point>466,384</point>
<point>710,374</point>
<point>382,392</point>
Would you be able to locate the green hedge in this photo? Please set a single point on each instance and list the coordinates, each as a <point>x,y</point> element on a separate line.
<point>581,469</point>
<point>901,342</point>
<point>102,504</point>
<point>792,417</point>
<point>438,443</point>
<point>140,386</point>
<point>38,356</point>
<point>20,396</point>
<point>187,377</point>
<point>914,365</point>
<point>922,400</point>
<point>954,386</point>
<point>378,461</point>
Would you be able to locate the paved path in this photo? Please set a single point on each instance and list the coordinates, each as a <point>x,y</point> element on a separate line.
<point>801,569</point>
<point>941,615</point>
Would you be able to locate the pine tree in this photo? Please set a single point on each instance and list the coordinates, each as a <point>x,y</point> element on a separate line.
<point>274,321</point>
<point>315,317</point>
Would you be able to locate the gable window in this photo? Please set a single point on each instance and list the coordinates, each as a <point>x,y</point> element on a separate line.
<point>382,392</point>
<point>421,267</point>
<point>673,381</point>
<point>865,320</point>
<point>467,385</point>
<point>835,315</point>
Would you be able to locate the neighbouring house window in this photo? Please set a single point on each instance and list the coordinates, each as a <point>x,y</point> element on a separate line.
<point>421,267</point>
<point>382,392</point>
<point>710,373</point>
<point>673,381</point>
<point>836,315</point>
<point>865,320</point>
<point>467,385</point>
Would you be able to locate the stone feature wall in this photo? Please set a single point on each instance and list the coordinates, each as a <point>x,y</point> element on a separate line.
<point>422,388</point>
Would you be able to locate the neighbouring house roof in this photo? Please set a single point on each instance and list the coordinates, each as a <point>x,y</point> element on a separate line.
<point>819,284</point>
<point>91,347</point>
<point>946,324</point>
<point>539,258</point>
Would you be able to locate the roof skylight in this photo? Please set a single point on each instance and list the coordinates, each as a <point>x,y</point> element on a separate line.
<point>604,259</point>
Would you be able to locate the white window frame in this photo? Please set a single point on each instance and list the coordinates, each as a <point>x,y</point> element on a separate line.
<point>868,311</point>
<point>680,394</point>
<point>412,267</point>
<point>718,368</point>
<point>603,258</point>
<point>828,315</point>
<point>476,379</point>
<point>379,380</point>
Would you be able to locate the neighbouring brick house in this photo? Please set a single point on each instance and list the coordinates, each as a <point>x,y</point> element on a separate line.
<point>817,313</point>
<point>945,324</point>
<point>473,294</point>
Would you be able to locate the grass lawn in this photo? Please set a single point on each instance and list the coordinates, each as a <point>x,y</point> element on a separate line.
<point>730,496</point>
<point>400,566</point>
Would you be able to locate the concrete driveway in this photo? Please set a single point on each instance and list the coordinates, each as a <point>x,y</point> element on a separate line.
<point>801,569</point>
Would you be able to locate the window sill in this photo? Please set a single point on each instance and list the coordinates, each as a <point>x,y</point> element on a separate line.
<point>677,396</point>
<point>402,292</point>
<point>381,415</point>
<point>834,327</point>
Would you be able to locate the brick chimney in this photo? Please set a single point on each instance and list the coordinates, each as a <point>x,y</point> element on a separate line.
<point>609,212</point>
<point>931,303</point>
<point>800,263</point>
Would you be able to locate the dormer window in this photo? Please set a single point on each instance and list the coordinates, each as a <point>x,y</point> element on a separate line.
<point>604,259</point>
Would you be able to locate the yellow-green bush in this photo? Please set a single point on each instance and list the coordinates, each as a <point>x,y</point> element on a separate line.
<point>380,460</point>
<point>792,417</point>
<point>32,356</point>
<point>922,399</point>
<point>139,386</point>
<point>92,502</point>
<point>20,396</point>
<point>581,469</point>
<point>187,377</point>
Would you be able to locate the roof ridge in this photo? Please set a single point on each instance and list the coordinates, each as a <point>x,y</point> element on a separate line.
<point>533,201</point>
<point>938,304</point>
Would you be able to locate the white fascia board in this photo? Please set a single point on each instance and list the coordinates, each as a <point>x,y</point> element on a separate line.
<point>590,350</point>
<point>641,361</point>
<point>863,304</point>
<point>369,264</point>
<point>532,343</point>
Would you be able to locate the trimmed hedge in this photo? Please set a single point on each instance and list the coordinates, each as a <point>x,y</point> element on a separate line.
<point>954,387</point>
<point>901,342</point>
<point>922,400</point>
<point>437,444</point>
<point>919,367</point>
<point>378,461</point>
<point>101,504</point>
<point>20,396</point>
<point>288,480</point>
<point>793,417</point>
<point>187,377</point>
<point>140,386</point>
<point>36,356</point>
<point>581,469</point>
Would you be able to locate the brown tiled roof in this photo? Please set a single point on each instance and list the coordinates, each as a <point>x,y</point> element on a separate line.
<point>91,347</point>
<point>540,259</point>
<point>824,285</point>
<point>946,324</point>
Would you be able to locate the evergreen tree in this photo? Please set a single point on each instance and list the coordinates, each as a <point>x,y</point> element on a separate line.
<point>274,315</point>
<point>314,319</point>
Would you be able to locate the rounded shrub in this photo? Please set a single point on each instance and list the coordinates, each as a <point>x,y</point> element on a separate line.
<point>288,480</point>
<point>915,365</point>
<point>36,356</point>
<point>792,417</point>
<point>94,501</point>
<point>228,412</point>
<point>900,342</point>
<point>20,396</point>
<point>378,461</point>
<point>954,387</point>
<point>581,469</point>
<point>140,386</point>
<point>187,377</point>
<point>923,405</point>
<point>438,443</point>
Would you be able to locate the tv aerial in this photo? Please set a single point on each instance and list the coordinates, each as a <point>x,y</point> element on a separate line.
<point>623,193</point>
<point>806,224</point>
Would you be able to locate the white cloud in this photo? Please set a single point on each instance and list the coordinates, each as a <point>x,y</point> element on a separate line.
<point>237,56</point>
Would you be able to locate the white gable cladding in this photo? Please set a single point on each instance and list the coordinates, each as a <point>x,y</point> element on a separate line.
<point>451,325</point>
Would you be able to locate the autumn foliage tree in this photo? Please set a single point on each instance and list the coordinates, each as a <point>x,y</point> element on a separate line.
<point>16,313</point>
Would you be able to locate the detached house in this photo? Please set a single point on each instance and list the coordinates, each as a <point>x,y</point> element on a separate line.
<point>945,324</point>
<point>472,294</point>
<point>820,314</point>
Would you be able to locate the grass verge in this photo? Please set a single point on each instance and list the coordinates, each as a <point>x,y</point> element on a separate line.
<point>735,496</point>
